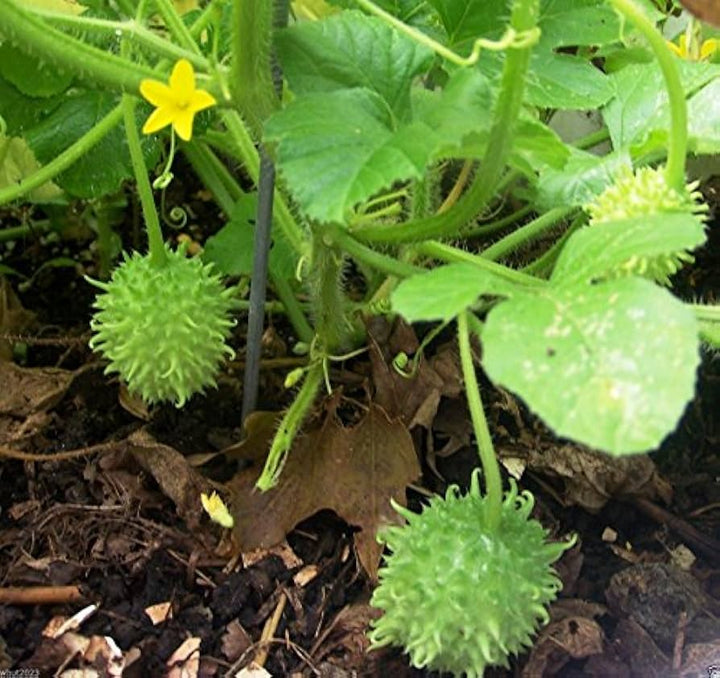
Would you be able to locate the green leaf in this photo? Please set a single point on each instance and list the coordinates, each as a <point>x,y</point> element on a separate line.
<point>640,107</point>
<point>32,76</point>
<point>611,365</point>
<point>584,176</point>
<point>454,288</point>
<point>18,162</point>
<point>566,81</point>
<point>102,170</point>
<point>577,22</point>
<point>351,50</point>
<point>704,119</point>
<point>600,250</point>
<point>231,248</point>
<point>20,111</point>
<point>337,149</point>
<point>466,20</point>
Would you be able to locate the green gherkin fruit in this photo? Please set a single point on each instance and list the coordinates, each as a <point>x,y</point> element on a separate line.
<point>459,596</point>
<point>645,192</point>
<point>163,327</point>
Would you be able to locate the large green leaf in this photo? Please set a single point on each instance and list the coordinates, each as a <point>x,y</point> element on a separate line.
<point>337,149</point>
<point>566,81</point>
<point>446,291</point>
<point>351,50</point>
<point>640,107</point>
<point>105,166</point>
<point>604,249</point>
<point>609,365</point>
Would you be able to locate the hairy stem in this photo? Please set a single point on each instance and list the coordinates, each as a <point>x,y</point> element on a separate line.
<point>158,255</point>
<point>491,470</point>
<point>289,427</point>
<point>30,33</point>
<point>678,138</point>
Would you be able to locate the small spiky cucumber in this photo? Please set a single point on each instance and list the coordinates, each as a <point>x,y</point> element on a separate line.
<point>163,327</point>
<point>646,193</point>
<point>459,596</point>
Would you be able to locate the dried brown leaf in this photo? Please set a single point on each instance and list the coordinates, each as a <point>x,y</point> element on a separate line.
<point>352,471</point>
<point>27,390</point>
<point>14,319</point>
<point>414,399</point>
<point>178,480</point>
<point>569,638</point>
<point>592,478</point>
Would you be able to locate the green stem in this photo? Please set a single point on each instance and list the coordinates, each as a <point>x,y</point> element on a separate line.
<point>491,469</point>
<point>543,265</point>
<point>289,426</point>
<point>707,312</point>
<point>453,254</point>
<point>251,82</point>
<point>332,325</point>
<point>28,32</point>
<point>592,139</point>
<point>213,174</point>
<point>131,30</point>
<point>678,139</point>
<point>489,228</point>
<point>65,159</point>
<point>176,26</point>
<point>381,262</point>
<point>247,154</point>
<point>294,310</point>
<point>525,233</point>
<point>158,254</point>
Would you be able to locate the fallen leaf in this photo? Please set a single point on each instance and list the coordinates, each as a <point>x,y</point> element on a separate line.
<point>569,638</point>
<point>592,479</point>
<point>352,471</point>
<point>27,390</point>
<point>178,480</point>
<point>413,398</point>
<point>14,319</point>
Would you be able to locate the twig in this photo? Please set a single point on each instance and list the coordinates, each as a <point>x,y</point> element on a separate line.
<point>39,595</point>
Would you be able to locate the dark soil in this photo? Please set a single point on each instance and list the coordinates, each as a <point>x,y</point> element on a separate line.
<point>103,523</point>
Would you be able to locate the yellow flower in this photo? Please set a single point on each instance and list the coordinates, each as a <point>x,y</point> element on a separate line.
<point>177,103</point>
<point>691,52</point>
<point>216,509</point>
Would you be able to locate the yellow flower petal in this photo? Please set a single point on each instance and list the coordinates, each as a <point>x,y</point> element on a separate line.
<point>183,123</point>
<point>156,92</point>
<point>674,48</point>
<point>201,100</point>
<point>216,509</point>
<point>182,80</point>
<point>709,47</point>
<point>159,118</point>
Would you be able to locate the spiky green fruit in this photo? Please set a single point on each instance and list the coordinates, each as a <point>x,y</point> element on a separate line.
<point>163,327</point>
<point>459,596</point>
<point>646,193</point>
